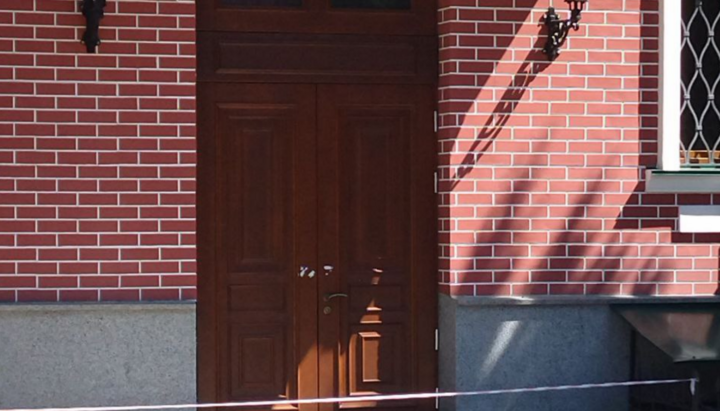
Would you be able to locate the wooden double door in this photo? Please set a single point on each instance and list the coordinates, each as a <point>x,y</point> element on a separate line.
<point>317,243</point>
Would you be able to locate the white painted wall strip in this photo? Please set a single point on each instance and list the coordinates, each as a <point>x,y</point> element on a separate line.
<point>699,219</point>
<point>670,80</point>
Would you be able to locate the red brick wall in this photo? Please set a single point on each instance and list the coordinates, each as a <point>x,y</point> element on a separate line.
<point>541,163</point>
<point>97,153</point>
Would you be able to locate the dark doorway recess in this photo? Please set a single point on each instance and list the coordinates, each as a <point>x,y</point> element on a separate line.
<point>316,209</point>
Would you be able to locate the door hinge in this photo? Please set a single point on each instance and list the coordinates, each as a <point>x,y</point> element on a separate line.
<point>436,121</point>
<point>437,399</point>
<point>437,339</point>
<point>435,183</point>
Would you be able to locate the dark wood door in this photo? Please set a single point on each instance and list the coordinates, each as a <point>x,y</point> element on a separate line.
<point>317,243</point>
<point>257,319</point>
<point>377,231</point>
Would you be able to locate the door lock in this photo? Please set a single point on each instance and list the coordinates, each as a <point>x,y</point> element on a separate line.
<point>328,269</point>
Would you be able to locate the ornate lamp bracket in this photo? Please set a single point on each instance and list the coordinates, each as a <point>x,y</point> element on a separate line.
<point>94,11</point>
<point>558,29</point>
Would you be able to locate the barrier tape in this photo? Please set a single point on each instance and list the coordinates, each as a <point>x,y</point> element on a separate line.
<point>391,397</point>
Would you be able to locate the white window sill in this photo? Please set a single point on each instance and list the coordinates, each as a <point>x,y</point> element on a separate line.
<point>686,181</point>
<point>699,219</point>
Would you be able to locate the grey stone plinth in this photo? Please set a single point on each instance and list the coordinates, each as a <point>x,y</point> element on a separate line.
<point>96,354</point>
<point>501,346</point>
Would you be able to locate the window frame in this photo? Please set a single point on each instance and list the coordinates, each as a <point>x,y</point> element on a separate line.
<point>669,176</point>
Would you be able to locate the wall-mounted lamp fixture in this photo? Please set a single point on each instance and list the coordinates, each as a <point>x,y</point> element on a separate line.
<point>558,29</point>
<point>93,10</point>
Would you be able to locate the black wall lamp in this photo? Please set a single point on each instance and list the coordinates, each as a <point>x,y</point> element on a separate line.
<point>93,10</point>
<point>558,29</point>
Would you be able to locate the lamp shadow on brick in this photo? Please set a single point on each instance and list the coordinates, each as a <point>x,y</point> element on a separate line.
<point>607,236</point>
<point>451,132</point>
<point>505,108</point>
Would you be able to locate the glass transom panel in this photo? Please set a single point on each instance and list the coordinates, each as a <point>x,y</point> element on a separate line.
<point>263,3</point>
<point>373,4</point>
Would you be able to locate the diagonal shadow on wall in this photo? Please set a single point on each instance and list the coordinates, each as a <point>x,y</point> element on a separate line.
<point>609,236</point>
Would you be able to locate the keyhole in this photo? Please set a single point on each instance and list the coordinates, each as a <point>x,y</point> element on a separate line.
<point>327,310</point>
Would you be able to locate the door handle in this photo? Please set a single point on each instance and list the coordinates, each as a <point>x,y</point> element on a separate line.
<point>330,296</point>
<point>304,270</point>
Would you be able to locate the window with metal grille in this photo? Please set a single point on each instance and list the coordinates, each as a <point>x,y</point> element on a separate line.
<point>700,106</point>
<point>689,103</point>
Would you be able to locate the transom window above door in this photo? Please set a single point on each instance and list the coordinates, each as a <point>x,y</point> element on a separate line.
<point>373,4</point>
<point>416,18</point>
<point>335,4</point>
<point>263,3</point>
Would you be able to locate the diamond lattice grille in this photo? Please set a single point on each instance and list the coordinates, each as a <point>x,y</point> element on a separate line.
<point>700,80</point>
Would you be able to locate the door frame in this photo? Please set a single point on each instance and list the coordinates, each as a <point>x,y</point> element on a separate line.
<point>211,42</point>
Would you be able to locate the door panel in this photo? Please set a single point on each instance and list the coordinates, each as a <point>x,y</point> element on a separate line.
<point>264,210</point>
<point>259,207</point>
<point>312,58</point>
<point>375,175</point>
<point>376,359</point>
<point>258,361</point>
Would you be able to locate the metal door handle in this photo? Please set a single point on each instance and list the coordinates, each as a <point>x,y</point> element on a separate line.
<point>304,270</point>
<point>329,297</point>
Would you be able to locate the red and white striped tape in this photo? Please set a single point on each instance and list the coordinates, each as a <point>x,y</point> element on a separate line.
<point>392,397</point>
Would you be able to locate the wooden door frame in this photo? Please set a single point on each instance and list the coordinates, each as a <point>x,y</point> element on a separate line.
<point>209,42</point>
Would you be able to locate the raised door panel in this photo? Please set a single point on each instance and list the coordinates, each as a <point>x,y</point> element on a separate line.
<point>316,58</point>
<point>376,189</point>
<point>377,359</point>
<point>257,148</point>
<point>261,216</point>
<point>258,361</point>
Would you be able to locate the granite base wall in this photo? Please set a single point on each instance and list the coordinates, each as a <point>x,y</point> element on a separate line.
<point>97,354</point>
<point>501,346</point>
